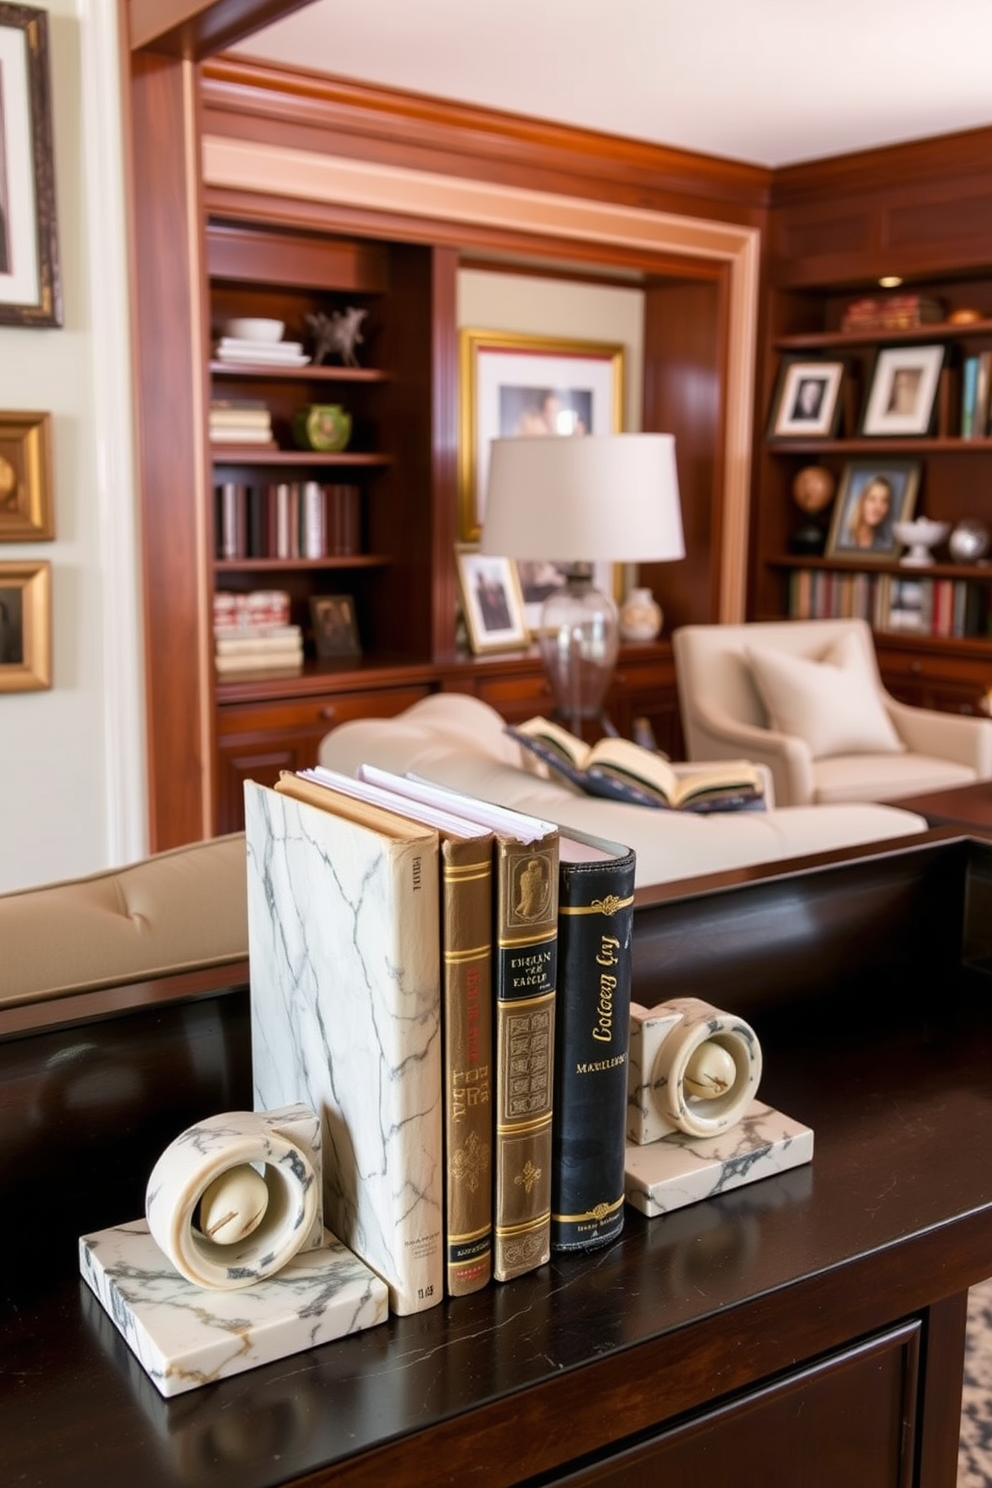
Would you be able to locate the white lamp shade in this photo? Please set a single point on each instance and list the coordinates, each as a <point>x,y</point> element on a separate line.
<point>584,498</point>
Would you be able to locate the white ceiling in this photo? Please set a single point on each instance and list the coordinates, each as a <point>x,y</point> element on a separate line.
<point>771,82</point>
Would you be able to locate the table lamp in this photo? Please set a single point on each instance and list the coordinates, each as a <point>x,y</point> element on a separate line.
<point>580,500</point>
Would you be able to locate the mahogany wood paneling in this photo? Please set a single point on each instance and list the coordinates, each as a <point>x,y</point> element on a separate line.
<point>905,209</point>
<point>169,338</point>
<point>197,28</point>
<point>305,110</point>
<point>240,252</point>
<point>684,346</point>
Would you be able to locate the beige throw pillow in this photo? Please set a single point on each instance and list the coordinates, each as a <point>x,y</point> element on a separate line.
<point>833,704</point>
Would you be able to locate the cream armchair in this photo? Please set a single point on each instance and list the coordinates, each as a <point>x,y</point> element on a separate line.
<point>805,698</point>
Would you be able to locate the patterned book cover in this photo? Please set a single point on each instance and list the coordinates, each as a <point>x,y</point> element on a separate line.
<point>346,1015</point>
<point>595,931</point>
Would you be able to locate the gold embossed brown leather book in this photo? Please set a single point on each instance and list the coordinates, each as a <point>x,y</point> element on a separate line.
<point>525,980</point>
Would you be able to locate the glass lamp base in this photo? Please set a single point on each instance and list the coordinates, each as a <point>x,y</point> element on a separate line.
<point>580,640</point>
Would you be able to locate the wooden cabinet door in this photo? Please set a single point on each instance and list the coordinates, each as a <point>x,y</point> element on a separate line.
<point>256,741</point>
<point>847,1419</point>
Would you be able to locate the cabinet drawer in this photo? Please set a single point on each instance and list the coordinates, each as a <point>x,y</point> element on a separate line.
<point>317,712</point>
<point>518,697</point>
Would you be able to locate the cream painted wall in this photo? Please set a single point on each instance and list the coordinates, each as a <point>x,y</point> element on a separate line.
<point>71,759</point>
<point>491,301</point>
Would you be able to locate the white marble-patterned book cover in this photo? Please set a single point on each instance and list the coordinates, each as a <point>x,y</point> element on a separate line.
<point>344,947</point>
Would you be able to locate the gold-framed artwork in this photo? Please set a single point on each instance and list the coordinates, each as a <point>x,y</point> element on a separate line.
<point>26,506</point>
<point>25,627</point>
<point>30,288</point>
<point>514,384</point>
<point>491,600</point>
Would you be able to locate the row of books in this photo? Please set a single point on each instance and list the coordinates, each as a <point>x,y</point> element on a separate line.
<point>891,313</point>
<point>891,601</point>
<point>241,421</point>
<point>449,984</point>
<point>291,519</point>
<point>976,395</point>
<point>258,648</point>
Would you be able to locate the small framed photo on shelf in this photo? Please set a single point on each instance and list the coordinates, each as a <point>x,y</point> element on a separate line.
<point>491,599</point>
<point>335,629</point>
<point>807,400</point>
<point>908,604</point>
<point>903,391</point>
<point>873,495</point>
<point>26,513</point>
<point>25,627</point>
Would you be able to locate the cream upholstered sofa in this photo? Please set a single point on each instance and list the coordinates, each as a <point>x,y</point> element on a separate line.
<point>174,911</point>
<point>459,741</point>
<point>806,699</point>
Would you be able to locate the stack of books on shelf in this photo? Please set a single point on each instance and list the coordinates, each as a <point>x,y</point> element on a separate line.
<point>900,602</point>
<point>976,393</point>
<point>243,353</point>
<point>891,313</point>
<point>448,982</point>
<point>241,421</point>
<point>290,519</point>
<point>252,633</point>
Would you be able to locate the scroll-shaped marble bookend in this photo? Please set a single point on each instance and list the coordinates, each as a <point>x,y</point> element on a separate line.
<point>692,1068</point>
<point>231,1268</point>
<point>694,1127</point>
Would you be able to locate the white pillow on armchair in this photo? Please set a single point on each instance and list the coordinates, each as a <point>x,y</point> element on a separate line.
<point>833,704</point>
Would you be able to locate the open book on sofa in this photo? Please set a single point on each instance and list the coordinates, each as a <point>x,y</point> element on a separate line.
<point>623,771</point>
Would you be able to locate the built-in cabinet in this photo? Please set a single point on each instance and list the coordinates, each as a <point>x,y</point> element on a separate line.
<point>835,229</point>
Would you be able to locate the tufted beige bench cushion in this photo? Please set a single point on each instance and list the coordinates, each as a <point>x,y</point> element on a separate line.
<point>174,911</point>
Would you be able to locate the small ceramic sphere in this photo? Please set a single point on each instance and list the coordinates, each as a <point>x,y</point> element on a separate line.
<point>233,1205</point>
<point>710,1072</point>
<point>969,542</point>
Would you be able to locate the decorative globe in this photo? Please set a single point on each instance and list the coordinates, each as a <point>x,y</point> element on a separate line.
<point>813,488</point>
<point>970,541</point>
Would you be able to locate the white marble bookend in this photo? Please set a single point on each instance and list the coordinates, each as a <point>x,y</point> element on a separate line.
<point>691,1068</point>
<point>264,1168</point>
<point>679,1169</point>
<point>185,1337</point>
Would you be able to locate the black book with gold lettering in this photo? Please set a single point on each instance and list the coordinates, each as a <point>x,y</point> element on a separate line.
<point>592,1030</point>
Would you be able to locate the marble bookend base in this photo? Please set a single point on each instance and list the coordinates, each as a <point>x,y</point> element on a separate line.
<point>678,1170</point>
<point>184,1336</point>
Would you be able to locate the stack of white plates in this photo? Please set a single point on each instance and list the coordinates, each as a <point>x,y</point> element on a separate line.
<point>261,353</point>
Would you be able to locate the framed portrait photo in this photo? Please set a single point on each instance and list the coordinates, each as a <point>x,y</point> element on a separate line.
<point>807,400</point>
<point>25,627</point>
<point>873,495</point>
<point>335,629</point>
<point>491,599</point>
<point>512,384</point>
<point>30,291</point>
<point>903,390</point>
<point>26,477</point>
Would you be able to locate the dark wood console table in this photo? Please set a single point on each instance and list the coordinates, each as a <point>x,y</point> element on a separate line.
<point>815,1318</point>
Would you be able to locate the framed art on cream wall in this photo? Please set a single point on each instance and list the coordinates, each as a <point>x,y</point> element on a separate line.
<point>25,627</point>
<point>30,291</point>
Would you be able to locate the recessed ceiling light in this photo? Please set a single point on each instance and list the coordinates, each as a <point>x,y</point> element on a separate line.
<point>890,281</point>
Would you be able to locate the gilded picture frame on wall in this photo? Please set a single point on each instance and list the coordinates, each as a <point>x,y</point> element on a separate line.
<point>26,504</point>
<point>513,384</point>
<point>25,627</point>
<point>30,284</point>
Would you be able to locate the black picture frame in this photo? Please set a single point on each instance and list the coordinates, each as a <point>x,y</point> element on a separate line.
<point>335,629</point>
<point>30,283</point>
<point>806,403</point>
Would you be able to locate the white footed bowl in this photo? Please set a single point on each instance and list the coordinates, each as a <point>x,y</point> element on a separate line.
<point>254,329</point>
<point>919,536</point>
